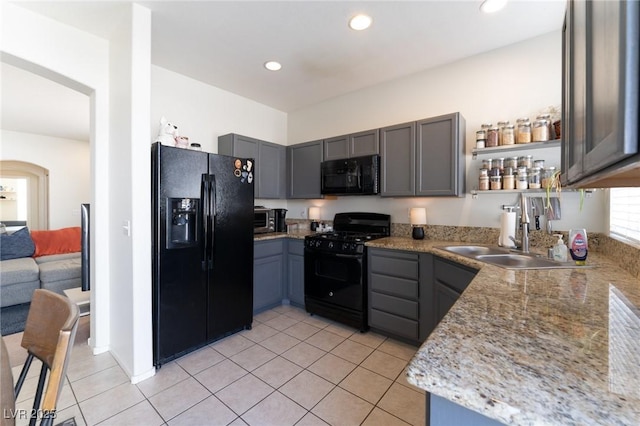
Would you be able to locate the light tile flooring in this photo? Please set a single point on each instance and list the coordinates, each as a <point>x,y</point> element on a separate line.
<point>289,369</point>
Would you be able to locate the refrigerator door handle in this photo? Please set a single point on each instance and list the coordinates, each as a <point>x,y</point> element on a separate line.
<point>205,220</point>
<point>212,215</point>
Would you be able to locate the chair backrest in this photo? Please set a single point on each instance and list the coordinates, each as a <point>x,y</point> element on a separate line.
<point>49,335</point>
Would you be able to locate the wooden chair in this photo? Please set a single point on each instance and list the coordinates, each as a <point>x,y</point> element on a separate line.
<point>48,335</point>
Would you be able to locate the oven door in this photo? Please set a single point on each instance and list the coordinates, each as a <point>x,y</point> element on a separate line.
<point>335,279</point>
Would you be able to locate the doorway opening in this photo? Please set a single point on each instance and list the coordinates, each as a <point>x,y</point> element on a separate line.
<point>25,187</point>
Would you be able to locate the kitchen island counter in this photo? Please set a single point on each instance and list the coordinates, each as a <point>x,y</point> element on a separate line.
<point>529,347</point>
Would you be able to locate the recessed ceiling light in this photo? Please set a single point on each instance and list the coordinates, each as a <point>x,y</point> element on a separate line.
<point>360,22</point>
<point>272,65</point>
<point>490,6</point>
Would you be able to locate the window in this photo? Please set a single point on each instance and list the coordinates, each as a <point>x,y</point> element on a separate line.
<point>624,213</point>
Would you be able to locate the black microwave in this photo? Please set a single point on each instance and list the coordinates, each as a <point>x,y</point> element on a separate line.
<point>351,176</point>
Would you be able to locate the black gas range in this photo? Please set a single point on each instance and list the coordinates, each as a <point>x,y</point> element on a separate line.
<point>335,266</point>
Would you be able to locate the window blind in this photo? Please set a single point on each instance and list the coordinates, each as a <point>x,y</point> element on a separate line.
<point>624,213</point>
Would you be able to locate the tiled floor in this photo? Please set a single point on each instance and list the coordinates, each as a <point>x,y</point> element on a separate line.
<point>289,369</point>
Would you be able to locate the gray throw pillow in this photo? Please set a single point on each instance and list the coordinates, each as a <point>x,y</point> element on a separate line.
<point>16,245</point>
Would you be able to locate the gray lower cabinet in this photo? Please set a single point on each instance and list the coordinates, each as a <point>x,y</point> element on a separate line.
<point>352,145</point>
<point>424,158</point>
<point>399,295</point>
<point>295,272</point>
<point>303,170</point>
<point>270,158</point>
<point>268,274</point>
<point>450,279</point>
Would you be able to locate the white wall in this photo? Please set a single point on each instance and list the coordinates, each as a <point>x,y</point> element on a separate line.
<point>507,83</point>
<point>203,112</point>
<point>80,61</point>
<point>69,172</point>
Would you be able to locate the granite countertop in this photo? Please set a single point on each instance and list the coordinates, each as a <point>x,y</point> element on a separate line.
<point>297,235</point>
<point>536,346</point>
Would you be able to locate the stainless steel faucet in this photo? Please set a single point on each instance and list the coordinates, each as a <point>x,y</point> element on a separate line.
<point>524,222</point>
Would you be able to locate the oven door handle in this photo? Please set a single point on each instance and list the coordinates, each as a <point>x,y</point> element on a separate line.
<point>349,256</point>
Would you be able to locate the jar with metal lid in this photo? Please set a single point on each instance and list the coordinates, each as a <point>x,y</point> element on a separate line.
<point>487,163</point>
<point>508,179</point>
<point>540,131</point>
<point>495,171</point>
<point>538,163</point>
<point>535,179</point>
<point>548,177</point>
<point>492,137</point>
<point>524,132</point>
<point>481,143</point>
<point>525,161</point>
<point>486,126</point>
<point>484,172</point>
<point>511,162</point>
<point>481,134</point>
<point>495,182</point>
<point>500,126</point>
<point>508,135</point>
<point>547,117</point>
<point>522,178</point>
<point>499,163</point>
<point>483,182</point>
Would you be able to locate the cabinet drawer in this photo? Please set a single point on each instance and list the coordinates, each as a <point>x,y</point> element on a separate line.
<point>394,285</point>
<point>295,247</point>
<point>395,305</point>
<point>393,324</point>
<point>453,275</point>
<point>402,265</point>
<point>267,248</point>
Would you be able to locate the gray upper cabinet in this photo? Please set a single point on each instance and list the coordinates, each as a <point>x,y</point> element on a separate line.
<point>270,173</point>
<point>424,158</point>
<point>352,145</point>
<point>600,94</point>
<point>397,164</point>
<point>303,170</point>
<point>440,166</point>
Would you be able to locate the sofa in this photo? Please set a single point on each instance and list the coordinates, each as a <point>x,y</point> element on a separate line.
<point>38,259</point>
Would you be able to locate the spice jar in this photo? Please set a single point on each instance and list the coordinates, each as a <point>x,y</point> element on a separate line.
<point>524,132</point>
<point>487,163</point>
<point>499,163</point>
<point>492,137</point>
<point>508,135</point>
<point>535,178</point>
<point>495,182</point>
<point>508,179</point>
<point>547,117</point>
<point>500,126</point>
<point>522,179</point>
<point>538,163</point>
<point>525,161</point>
<point>548,176</point>
<point>495,171</point>
<point>511,162</point>
<point>483,182</point>
<point>481,143</point>
<point>540,131</point>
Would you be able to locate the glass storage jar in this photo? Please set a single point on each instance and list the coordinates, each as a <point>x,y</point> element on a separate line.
<point>547,117</point>
<point>495,182</point>
<point>522,178</point>
<point>535,181</point>
<point>511,162</point>
<point>540,131</point>
<point>524,132</point>
<point>492,137</point>
<point>483,180</point>
<point>487,163</point>
<point>508,180</point>
<point>500,126</point>
<point>508,135</point>
<point>525,161</point>
<point>548,177</point>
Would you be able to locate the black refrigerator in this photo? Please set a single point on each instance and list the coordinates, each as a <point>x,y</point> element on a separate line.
<point>202,211</point>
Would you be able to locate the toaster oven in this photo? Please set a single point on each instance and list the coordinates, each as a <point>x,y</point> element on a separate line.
<point>264,220</point>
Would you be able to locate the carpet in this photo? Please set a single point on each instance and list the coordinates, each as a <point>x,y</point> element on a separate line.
<point>13,318</point>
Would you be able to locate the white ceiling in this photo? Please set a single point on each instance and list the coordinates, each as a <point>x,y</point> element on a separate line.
<point>225,43</point>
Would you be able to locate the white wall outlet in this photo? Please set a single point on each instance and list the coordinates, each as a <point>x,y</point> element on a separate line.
<point>302,214</point>
<point>126,227</point>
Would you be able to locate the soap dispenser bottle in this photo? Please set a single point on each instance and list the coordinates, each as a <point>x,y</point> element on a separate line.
<point>560,249</point>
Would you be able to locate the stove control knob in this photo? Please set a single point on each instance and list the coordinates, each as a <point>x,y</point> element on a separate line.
<point>345,246</point>
<point>331,293</point>
<point>330,245</point>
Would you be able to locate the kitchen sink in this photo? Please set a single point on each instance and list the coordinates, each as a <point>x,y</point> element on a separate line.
<point>508,258</point>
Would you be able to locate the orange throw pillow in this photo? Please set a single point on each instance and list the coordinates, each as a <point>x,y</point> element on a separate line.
<point>59,241</point>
